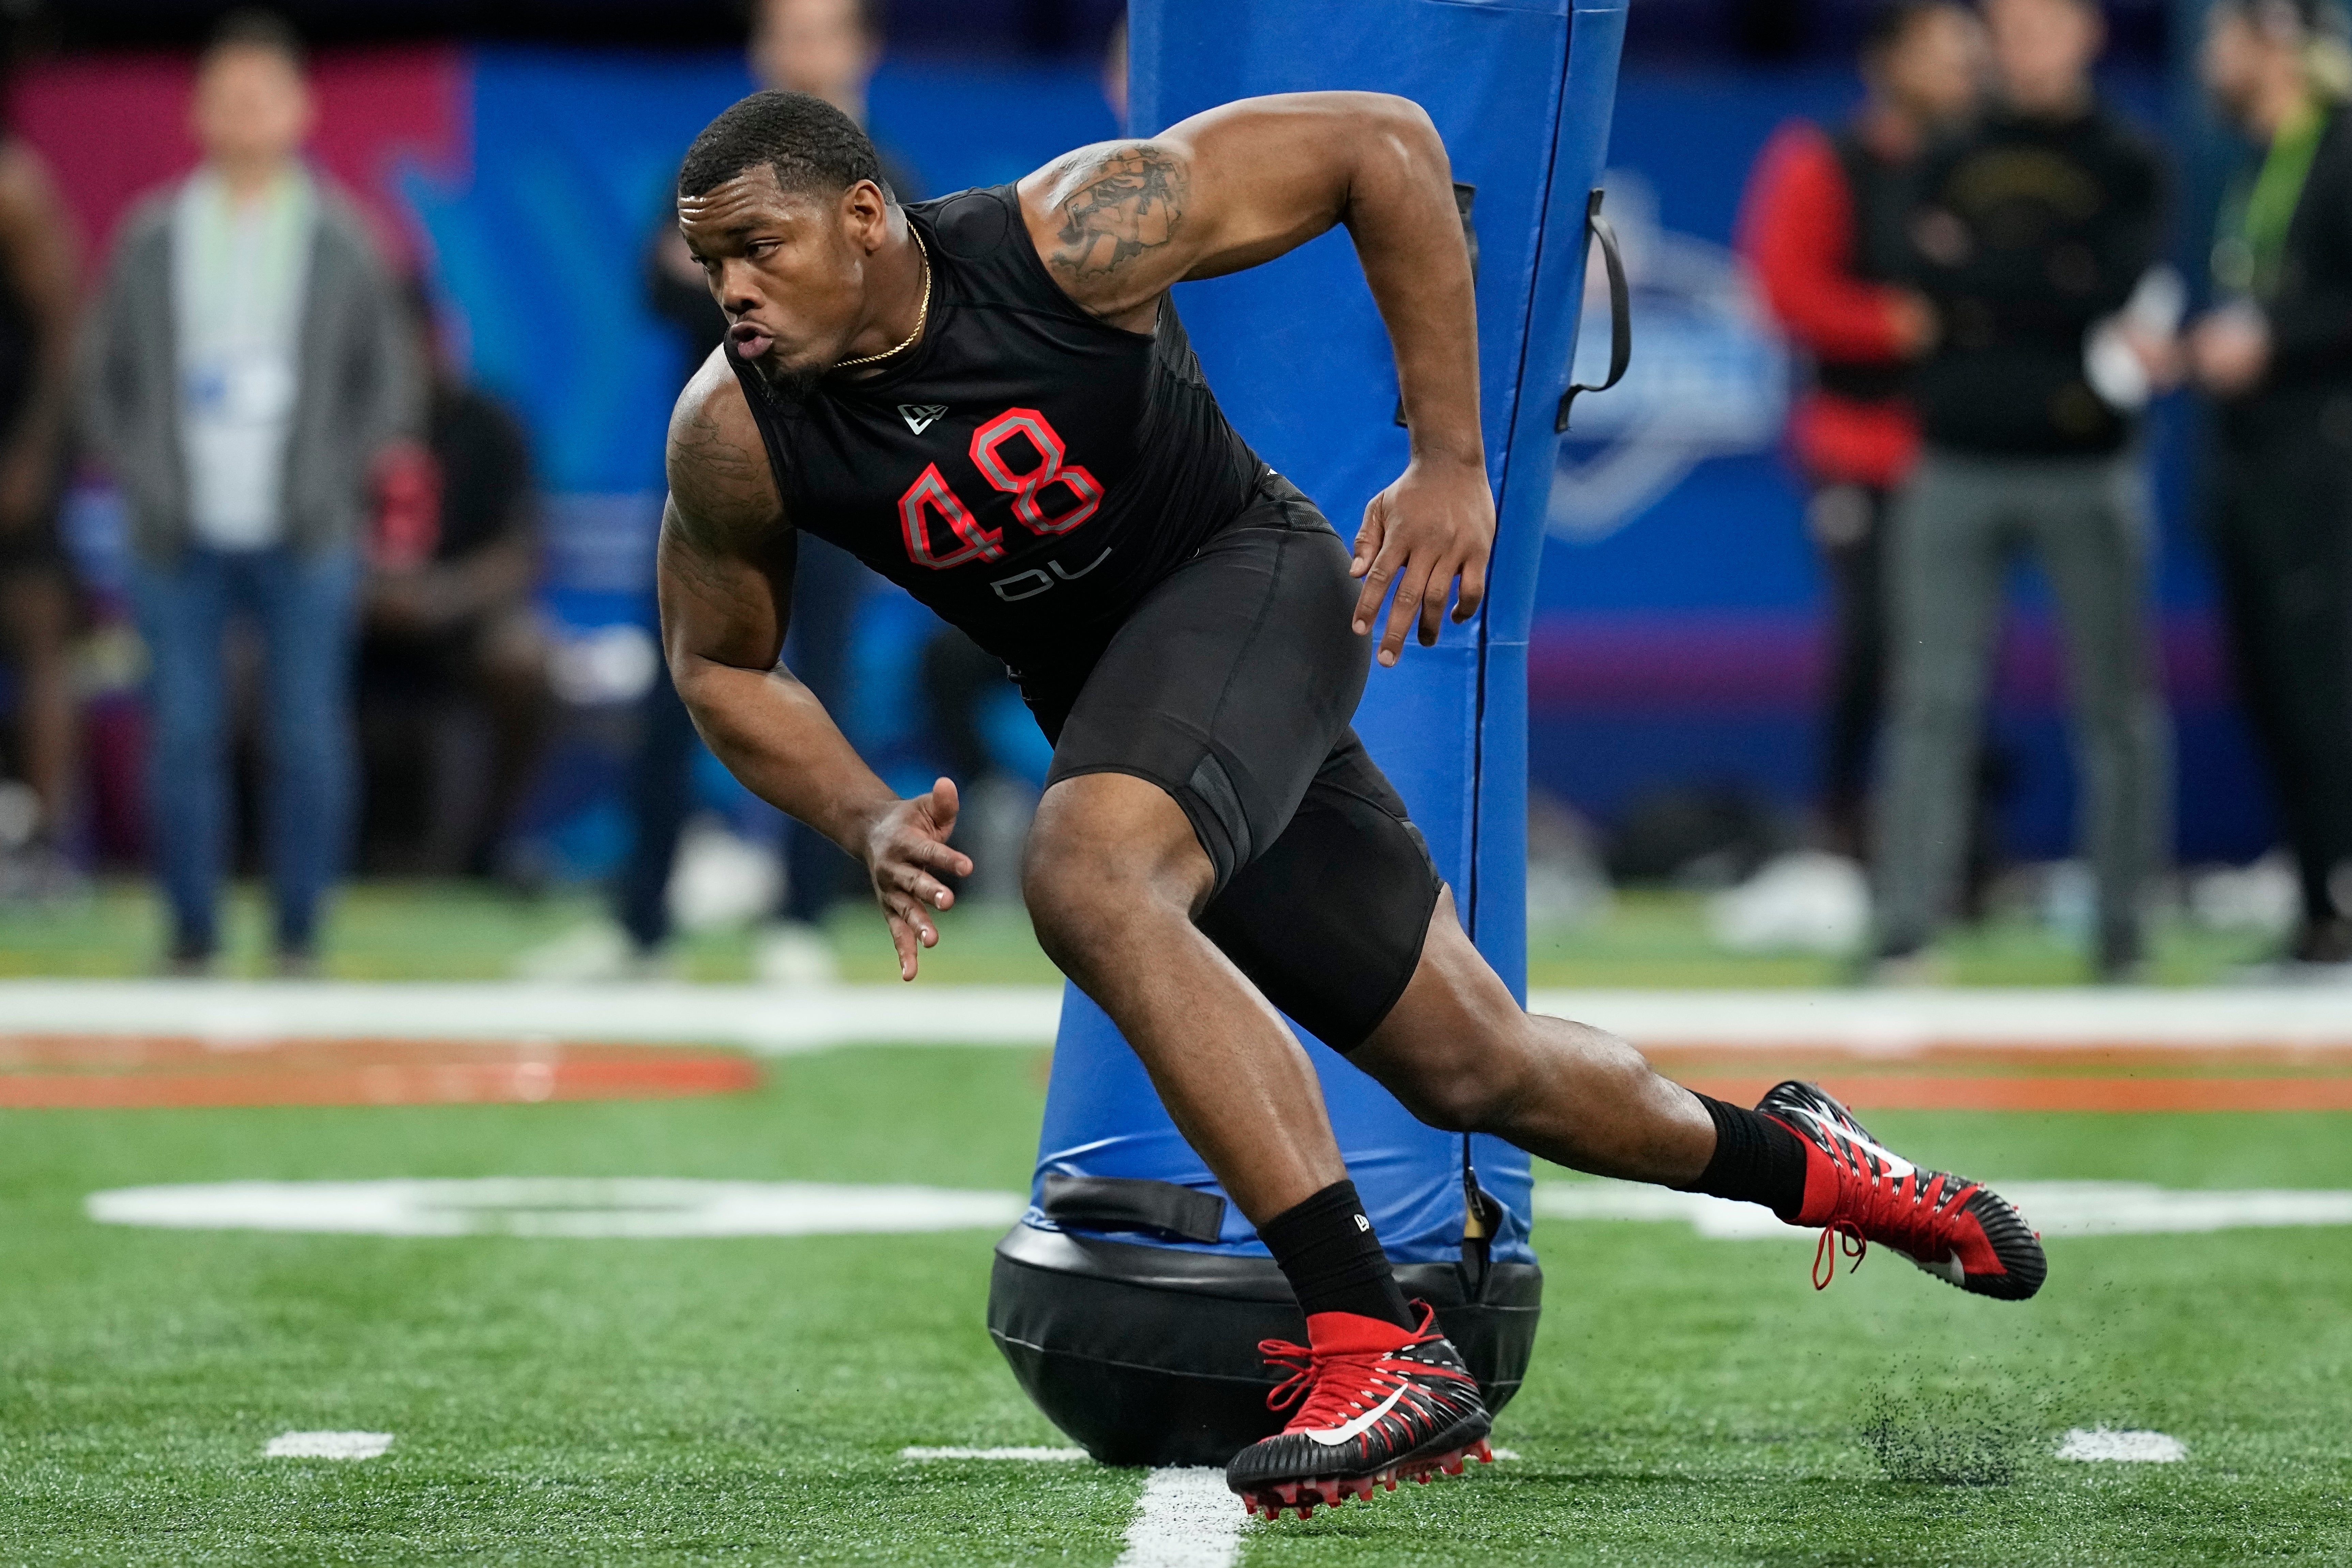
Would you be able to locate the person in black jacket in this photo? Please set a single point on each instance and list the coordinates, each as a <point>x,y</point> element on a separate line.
<point>1821,227</point>
<point>2036,231</point>
<point>2276,354</point>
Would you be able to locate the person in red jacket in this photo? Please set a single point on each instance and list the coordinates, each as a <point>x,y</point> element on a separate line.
<point>1823,228</point>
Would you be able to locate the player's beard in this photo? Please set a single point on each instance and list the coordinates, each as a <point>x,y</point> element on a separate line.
<point>790,385</point>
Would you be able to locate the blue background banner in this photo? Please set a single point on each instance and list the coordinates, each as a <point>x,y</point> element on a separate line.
<point>1676,634</point>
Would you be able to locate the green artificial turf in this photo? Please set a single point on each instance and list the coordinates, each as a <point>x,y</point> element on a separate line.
<point>456,931</point>
<point>743,1401</point>
<point>470,931</point>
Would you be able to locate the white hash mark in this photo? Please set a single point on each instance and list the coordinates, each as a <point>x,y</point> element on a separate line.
<point>327,1445</point>
<point>2099,1443</point>
<point>1186,1518</point>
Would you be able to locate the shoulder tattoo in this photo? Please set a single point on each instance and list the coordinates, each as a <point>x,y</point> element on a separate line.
<point>1125,201</point>
<point>713,454</point>
<point>724,498</point>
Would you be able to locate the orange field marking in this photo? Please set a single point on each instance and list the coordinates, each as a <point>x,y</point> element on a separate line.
<point>1954,1057</point>
<point>1962,1076</point>
<point>125,1071</point>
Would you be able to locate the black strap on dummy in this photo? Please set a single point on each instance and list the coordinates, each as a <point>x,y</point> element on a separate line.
<point>1621,309</point>
<point>1124,1202</point>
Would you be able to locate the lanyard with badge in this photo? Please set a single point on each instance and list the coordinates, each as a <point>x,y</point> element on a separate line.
<point>241,370</point>
<point>2256,219</point>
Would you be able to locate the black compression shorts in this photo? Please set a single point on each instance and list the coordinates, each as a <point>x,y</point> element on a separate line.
<point>1231,687</point>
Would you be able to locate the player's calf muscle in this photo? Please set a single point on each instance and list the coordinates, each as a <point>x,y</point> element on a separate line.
<point>1473,1083</point>
<point>1564,1090</point>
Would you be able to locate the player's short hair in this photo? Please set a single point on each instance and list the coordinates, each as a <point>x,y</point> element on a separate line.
<point>812,146</point>
<point>253,28</point>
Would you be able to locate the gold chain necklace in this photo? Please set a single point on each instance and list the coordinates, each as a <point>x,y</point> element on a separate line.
<point>923,314</point>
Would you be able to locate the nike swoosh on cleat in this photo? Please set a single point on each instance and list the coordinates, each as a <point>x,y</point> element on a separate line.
<point>1333,1436</point>
<point>1894,1164</point>
<point>1950,1269</point>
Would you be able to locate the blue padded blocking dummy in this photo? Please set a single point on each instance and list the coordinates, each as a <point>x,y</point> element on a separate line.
<point>1130,1297</point>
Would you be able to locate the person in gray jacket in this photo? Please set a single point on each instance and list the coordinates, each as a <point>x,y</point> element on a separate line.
<point>243,372</point>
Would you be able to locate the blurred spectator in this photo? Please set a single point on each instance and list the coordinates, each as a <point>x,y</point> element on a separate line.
<point>451,644</point>
<point>38,270</point>
<point>2035,232</point>
<point>961,678</point>
<point>246,368</point>
<point>1823,226</point>
<point>828,49</point>
<point>2276,354</point>
<point>1114,70</point>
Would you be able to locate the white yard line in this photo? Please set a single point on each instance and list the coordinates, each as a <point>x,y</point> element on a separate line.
<point>2055,1208</point>
<point>763,1018</point>
<point>580,1206</point>
<point>1186,1518</point>
<point>1895,1022</point>
<point>327,1445</point>
<point>766,1018</point>
<point>2099,1444</point>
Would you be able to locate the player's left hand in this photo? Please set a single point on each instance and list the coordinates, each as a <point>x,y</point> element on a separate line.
<point>1436,524</point>
<point>906,854</point>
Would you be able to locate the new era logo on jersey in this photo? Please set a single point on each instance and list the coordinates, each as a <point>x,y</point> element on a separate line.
<point>920,415</point>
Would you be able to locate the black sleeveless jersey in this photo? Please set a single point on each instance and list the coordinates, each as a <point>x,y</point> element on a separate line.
<point>1027,471</point>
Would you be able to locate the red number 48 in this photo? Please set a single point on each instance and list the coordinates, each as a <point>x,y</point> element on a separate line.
<point>929,496</point>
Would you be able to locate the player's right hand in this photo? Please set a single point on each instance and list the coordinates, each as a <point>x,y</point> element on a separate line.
<point>906,853</point>
<point>1433,527</point>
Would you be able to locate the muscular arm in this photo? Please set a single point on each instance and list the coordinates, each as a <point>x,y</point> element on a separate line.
<point>724,570</point>
<point>1118,223</point>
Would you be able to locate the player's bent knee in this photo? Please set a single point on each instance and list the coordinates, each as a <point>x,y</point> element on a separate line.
<point>1083,897</point>
<point>1105,852</point>
<point>1460,1104</point>
<point>1063,895</point>
<point>1471,1085</point>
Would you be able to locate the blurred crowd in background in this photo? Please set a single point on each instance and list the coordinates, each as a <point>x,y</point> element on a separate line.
<point>330,435</point>
<point>1976,262</point>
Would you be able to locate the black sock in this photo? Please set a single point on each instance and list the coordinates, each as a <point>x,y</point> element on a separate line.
<point>1756,1160</point>
<point>1334,1262</point>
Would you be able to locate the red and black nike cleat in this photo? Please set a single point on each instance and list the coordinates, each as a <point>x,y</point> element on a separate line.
<point>1376,1405</point>
<point>1859,1191</point>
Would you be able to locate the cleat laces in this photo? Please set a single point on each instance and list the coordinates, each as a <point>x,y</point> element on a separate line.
<point>1345,1383</point>
<point>1343,1388</point>
<point>1909,1213</point>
